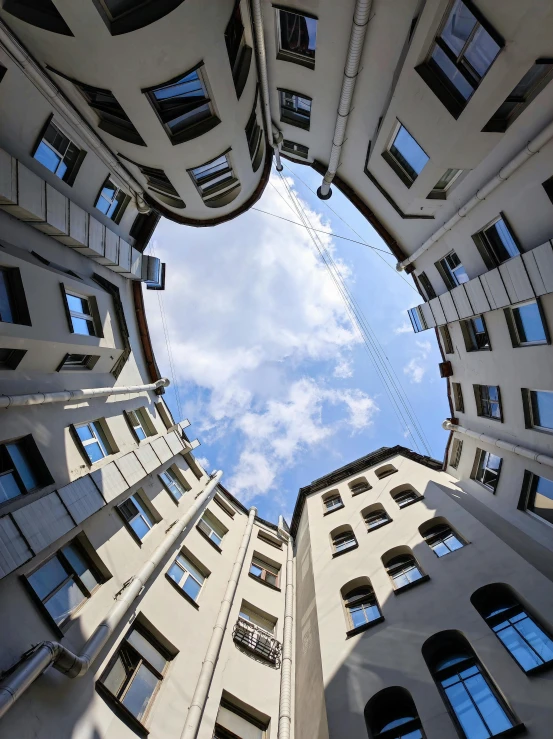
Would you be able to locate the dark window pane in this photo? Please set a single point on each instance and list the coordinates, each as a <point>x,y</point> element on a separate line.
<point>9,487</point>
<point>298,34</point>
<point>481,51</point>
<point>47,578</point>
<point>65,601</point>
<point>541,502</point>
<point>6,313</point>
<point>542,406</point>
<point>458,27</point>
<point>529,324</point>
<point>140,691</point>
<point>452,73</point>
<point>22,464</point>
<point>81,567</point>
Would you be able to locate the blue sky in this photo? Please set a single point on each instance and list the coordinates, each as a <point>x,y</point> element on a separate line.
<point>271,373</point>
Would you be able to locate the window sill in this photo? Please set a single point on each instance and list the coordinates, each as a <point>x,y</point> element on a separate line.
<point>125,715</point>
<point>293,122</point>
<point>181,591</point>
<point>360,492</point>
<point>338,508</point>
<point>344,551</point>
<point>206,537</point>
<point>264,582</point>
<point>486,487</point>
<point>424,578</point>
<point>364,627</point>
<point>411,502</point>
<point>284,57</point>
<point>194,131</point>
<point>403,176</point>
<point>513,731</point>
<point>540,668</point>
<point>380,525</point>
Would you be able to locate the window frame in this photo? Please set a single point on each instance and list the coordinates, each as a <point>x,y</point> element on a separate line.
<point>131,20</point>
<point>458,397</point>
<point>290,115</point>
<point>441,193</point>
<point>528,494</point>
<point>383,519</point>
<point>90,318</point>
<point>33,460</point>
<point>439,534</point>
<point>447,272</point>
<point>407,177</point>
<point>70,175</point>
<point>120,200</point>
<point>426,286</point>
<point>174,480</point>
<point>474,337</point>
<point>142,423</point>
<point>219,188</point>
<point>295,149</point>
<point>414,497</point>
<point>207,529</point>
<point>186,574</point>
<point>480,467</point>
<point>485,404</point>
<point>144,511</point>
<point>15,296</point>
<point>99,437</point>
<point>266,568</point>
<point>342,537</point>
<point>292,56</point>
<point>254,137</point>
<point>330,498</point>
<point>456,451</point>
<point>352,599</point>
<point>486,248</point>
<point>12,358</point>
<point>88,362</point>
<point>513,327</point>
<point>400,568</point>
<point>531,410</point>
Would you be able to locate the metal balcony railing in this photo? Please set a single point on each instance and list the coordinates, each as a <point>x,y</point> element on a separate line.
<point>257,641</point>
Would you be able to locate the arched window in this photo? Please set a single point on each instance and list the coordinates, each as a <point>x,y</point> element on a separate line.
<point>359,486</point>
<point>405,495</point>
<point>375,516</point>
<point>343,539</point>
<point>360,604</point>
<point>391,714</point>
<point>440,537</point>
<point>517,629</point>
<point>403,568</point>
<point>385,471</point>
<point>332,501</point>
<point>466,688</point>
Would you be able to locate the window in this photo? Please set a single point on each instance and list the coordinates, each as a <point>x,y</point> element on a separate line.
<point>452,271</point>
<point>254,136</point>
<point>174,486</point>
<point>446,339</point>
<point>112,201</point>
<point>343,541</point>
<point>158,182</point>
<point>529,87</point>
<point>404,495</point>
<point>13,306</point>
<point>123,16</point>
<point>212,528</point>
<point>465,686</point>
<point>40,13</point>
<point>441,538</point>
<point>93,441</point>
<point>22,469</point>
<point>184,105</point>
<point>10,358</point>
<point>427,286</point>
<point>496,243</point>
<point>236,719</point>
<point>488,401</point>
<point>464,50</point>
<point>526,323</point>
<point>538,407</point>
<point>475,334</point>
<point>255,631</point>
<point>135,672</point>
<point>391,714</point>
<point>214,177</point>
<point>187,576</point>
<point>65,582</point>
<point>385,471</point>
<point>331,502</point>
<point>548,187</point>
<point>514,626</point>
<point>537,496</point>
<point>78,362</point>
<point>299,150</point>
<point>295,109</point>
<point>239,53</point>
<point>418,320</point>
<point>359,486</point>
<point>404,571</point>
<point>456,452</point>
<point>58,154</point>
<point>138,421</point>
<point>375,517</point>
<point>361,606</point>
<point>405,155</point>
<point>6,301</point>
<point>488,467</point>
<point>296,38</point>
<point>458,397</point>
<point>137,515</point>
<point>439,191</point>
<point>265,571</point>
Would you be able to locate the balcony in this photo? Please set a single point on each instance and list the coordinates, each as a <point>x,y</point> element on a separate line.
<point>259,643</point>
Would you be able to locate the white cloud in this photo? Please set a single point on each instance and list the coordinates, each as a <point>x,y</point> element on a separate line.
<point>417,367</point>
<point>204,462</point>
<point>405,328</point>
<point>343,369</point>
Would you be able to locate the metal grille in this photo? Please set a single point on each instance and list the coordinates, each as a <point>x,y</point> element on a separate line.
<point>258,641</point>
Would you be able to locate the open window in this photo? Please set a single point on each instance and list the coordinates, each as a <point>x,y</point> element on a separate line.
<point>486,469</point>
<point>139,515</point>
<point>405,155</point>
<point>188,575</point>
<point>392,714</point>
<point>295,109</point>
<point>140,424</point>
<point>216,181</point>
<point>265,570</point>
<point>13,305</point>
<point>475,334</point>
<point>497,242</point>
<point>112,201</point>
<point>174,482</point>
<point>55,151</point>
<point>212,529</point>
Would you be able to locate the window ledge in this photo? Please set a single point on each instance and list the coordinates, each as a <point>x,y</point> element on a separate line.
<point>513,731</point>
<point>424,578</point>
<point>198,129</point>
<point>380,525</point>
<point>345,551</point>
<point>364,627</point>
<point>206,537</point>
<point>181,591</point>
<point>540,668</point>
<point>125,715</point>
<point>360,492</point>
<point>264,582</point>
<point>284,57</point>
<point>338,508</point>
<point>412,502</point>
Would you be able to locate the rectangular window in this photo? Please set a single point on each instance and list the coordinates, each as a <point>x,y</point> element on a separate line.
<point>254,136</point>
<point>475,334</point>
<point>343,542</point>
<point>295,109</point>
<point>539,409</point>
<point>137,515</point>
<point>138,422</point>
<point>406,157</point>
<point>78,362</point>
<point>439,191</point>
<point>112,201</point>
<point>526,323</point>
<point>135,672</point>
<point>158,182</point>
<point>452,271</point>
<point>212,528</point>
<point>13,306</point>
<point>456,451</point>
<point>22,469</point>
<point>187,576</point>
<point>10,358</point>
<point>213,177</point>
<point>488,401</point>
<point>81,314</point>
<point>59,154</point>
<point>93,440</point>
<point>65,582</point>
<point>488,467</point>
<point>529,87</point>
<point>296,37</point>
<point>172,483</point>
<point>446,339</point>
<point>496,243</point>
<point>417,319</point>
<point>263,570</point>
<point>537,496</point>
<point>298,150</point>
<point>239,53</point>
<point>460,56</point>
<point>458,397</point>
<point>427,286</point>
<point>7,306</point>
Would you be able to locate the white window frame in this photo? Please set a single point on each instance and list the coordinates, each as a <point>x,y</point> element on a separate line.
<point>88,317</point>
<point>143,513</point>
<point>208,530</point>
<point>532,394</point>
<point>97,434</point>
<point>140,423</point>
<point>514,308</point>
<point>173,484</point>
<point>186,574</point>
<point>407,175</point>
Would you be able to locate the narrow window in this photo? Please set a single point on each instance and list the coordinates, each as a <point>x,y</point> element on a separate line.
<point>442,539</point>
<point>418,321</point>
<point>439,191</point>
<point>239,53</point>
<point>403,571</point>
<point>13,306</point>
<point>332,502</point>
<point>343,541</point>
<point>452,271</point>
<point>112,201</point>
<point>297,38</point>
<point>458,397</point>
<point>496,243</point>
<point>214,177</point>
<point>187,576</point>
<point>361,606</point>
<point>65,582</point>
<point>488,468</point>
<point>295,109</point>
<point>174,486</point>
<point>124,16</point>
<point>488,401</point>
<point>138,423</point>
<point>22,469</point>
<point>526,323</point>
<point>456,451</point>
<point>135,672</point>
<point>446,339</point>
<point>81,314</point>
<point>460,57</point>
<point>537,496</point>
<point>265,571</point>
<point>212,528</point>
<point>93,440</point>
<point>78,362</point>
<point>236,719</point>
<point>405,155</point>
<point>475,334</point>
<point>7,308</point>
<point>514,626</point>
<point>299,150</point>
<point>10,358</point>
<point>59,154</point>
<point>391,714</point>
<point>540,406</point>
<point>376,518</point>
<point>137,516</point>
<point>520,97</point>
<point>254,136</point>
<point>427,286</point>
<point>39,13</point>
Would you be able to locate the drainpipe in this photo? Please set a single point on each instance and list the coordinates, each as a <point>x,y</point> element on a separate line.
<point>355,49</point>
<point>73,665</point>
<point>66,396</point>
<point>261,56</point>
<point>199,699</point>
<point>531,148</point>
<point>285,706</point>
<point>521,451</point>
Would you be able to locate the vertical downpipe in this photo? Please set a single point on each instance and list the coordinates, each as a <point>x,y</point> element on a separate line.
<point>285,707</point>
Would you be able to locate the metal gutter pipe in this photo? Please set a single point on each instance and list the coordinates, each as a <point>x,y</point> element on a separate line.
<point>355,49</point>
<point>531,148</point>
<point>199,698</point>
<point>73,665</point>
<point>66,396</point>
<point>285,705</point>
<point>261,56</point>
<point>521,451</point>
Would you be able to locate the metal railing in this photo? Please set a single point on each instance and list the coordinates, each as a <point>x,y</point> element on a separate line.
<point>257,641</point>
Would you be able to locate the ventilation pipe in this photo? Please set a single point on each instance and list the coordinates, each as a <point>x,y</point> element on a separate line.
<point>261,55</point>
<point>531,148</point>
<point>40,657</point>
<point>199,699</point>
<point>285,706</point>
<point>355,49</point>
<point>521,451</point>
<point>66,396</point>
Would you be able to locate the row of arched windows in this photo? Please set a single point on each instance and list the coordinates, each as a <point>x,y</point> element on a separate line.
<point>403,495</point>
<point>468,691</point>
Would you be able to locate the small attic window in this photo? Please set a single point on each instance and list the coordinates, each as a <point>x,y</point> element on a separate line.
<point>385,471</point>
